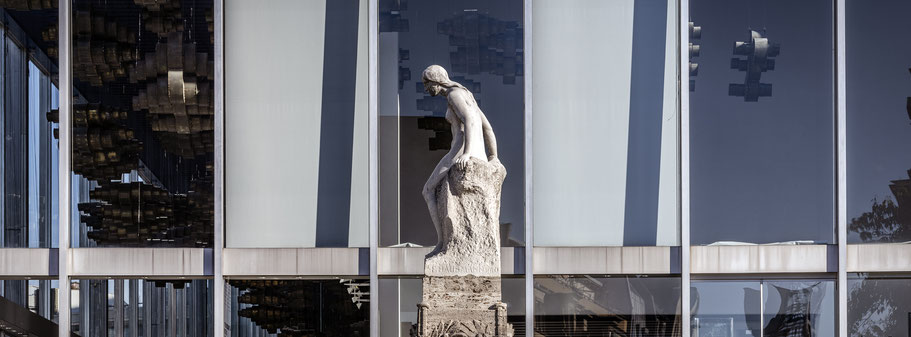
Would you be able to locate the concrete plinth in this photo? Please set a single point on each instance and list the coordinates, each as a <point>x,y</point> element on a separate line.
<point>454,306</point>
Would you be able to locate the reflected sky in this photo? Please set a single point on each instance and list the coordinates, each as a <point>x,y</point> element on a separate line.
<point>762,171</point>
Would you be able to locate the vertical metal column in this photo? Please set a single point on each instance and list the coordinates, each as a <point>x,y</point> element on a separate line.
<point>373,160</point>
<point>683,85</point>
<point>841,169</point>
<point>529,178</point>
<point>218,243</point>
<point>65,86</point>
<point>118,307</point>
<point>147,308</point>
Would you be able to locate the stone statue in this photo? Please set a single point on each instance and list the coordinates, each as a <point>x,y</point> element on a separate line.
<point>462,293</point>
<point>463,192</point>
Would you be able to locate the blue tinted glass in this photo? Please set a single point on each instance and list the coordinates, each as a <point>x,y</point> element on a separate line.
<point>878,124</point>
<point>761,122</point>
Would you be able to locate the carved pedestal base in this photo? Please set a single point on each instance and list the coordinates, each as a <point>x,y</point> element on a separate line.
<point>462,306</point>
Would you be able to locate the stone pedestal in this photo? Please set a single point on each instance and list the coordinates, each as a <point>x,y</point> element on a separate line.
<point>466,306</point>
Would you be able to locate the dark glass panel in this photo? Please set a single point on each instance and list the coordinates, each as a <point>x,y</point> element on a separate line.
<point>299,308</point>
<point>143,123</point>
<point>878,127</point>
<point>607,306</point>
<point>134,307</point>
<point>879,305</point>
<point>767,308</point>
<point>761,122</point>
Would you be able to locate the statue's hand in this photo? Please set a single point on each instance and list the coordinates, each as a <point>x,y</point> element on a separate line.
<point>462,161</point>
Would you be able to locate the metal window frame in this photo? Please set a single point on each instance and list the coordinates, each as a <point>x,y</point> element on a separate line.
<point>65,161</point>
<point>528,51</point>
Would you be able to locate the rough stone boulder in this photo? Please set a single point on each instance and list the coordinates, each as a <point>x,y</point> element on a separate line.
<point>469,202</point>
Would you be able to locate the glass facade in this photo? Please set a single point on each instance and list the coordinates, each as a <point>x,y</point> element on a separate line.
<point>878,117</point>
<point>762,117</point>
<point>238,168</point>
<point>592,305</point>
<point>134,307</point>
<point>336,307</point>
<point>479,43</point>
<point>879,305</point>
<point>763,308</point>
<point>142,124</point>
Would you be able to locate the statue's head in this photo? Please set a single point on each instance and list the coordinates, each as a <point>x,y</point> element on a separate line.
<point>436,80</point>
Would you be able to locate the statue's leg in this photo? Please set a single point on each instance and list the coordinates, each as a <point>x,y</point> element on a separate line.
<point>430,198</point>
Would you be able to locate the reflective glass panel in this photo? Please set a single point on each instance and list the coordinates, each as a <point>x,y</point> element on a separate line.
<point>296,123</point>
<point>647,306</point>
<point>799,308</point>
<point>878,125</point>
<point>28,307</point>
<point>143,121</point>
<point>28,153</point>
<point>768,308</point>
<point>479,43</point>
<point>605,123</point>
<point>399,299</point>
<point>879,305</point>
<point>761,121</point>
<point>337,307</point>
<point>133,307</point>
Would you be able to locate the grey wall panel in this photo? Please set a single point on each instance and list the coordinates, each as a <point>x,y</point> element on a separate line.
<point>289,262</point>
<point>24,262</point>
<point>137,262</point>
<point>872,258</point>
<point>604,260</point>
<point>760,259</point>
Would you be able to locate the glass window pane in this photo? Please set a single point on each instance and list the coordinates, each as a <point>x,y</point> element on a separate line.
<point>134,307</point>
<point>28,307</point>
<point>799,308</point>
<point>605,123</point>
<point>761,122</point>
<point>299,308</point>
<point>725,308</point>
<point>879,305</point>
<point>479,43</point>
<point>143,123</point>
<point>770,308</point>
<point>296,125</point>
<point>878,112</point>
<point>27,151</point>
<point>647,306</point>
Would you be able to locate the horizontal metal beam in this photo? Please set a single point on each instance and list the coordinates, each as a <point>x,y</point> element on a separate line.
<point>293,262</point>
<point>606,260</point>
<point>764,259</point>
<point>139,262</point>
<point>27,262</point>
<point>871,258</point>
<point>410,261</point>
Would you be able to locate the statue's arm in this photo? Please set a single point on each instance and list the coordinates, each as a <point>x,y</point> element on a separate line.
<point>490,140</point>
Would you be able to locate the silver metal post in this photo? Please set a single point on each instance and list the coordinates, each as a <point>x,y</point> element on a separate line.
<point>218,242</point>
<point>373,137</point>
<point>683,84</point>
<point>529,178</point>
<point>841,170</point>
<point>65,84</point>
